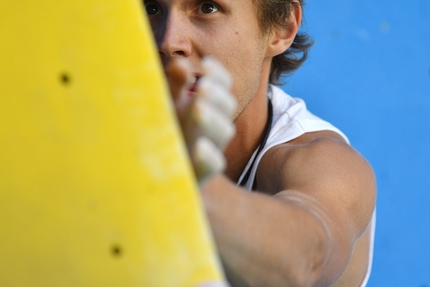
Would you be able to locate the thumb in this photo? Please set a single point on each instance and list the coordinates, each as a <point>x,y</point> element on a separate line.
<point>178,73</point>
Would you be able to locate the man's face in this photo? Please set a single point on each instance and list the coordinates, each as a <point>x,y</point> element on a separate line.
<point>227,30</point>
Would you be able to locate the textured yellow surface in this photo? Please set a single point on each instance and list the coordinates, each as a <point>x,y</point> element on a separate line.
<point>95,187</point>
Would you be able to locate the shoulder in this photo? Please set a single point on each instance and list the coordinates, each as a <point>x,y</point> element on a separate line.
<point>320,151</point>
<point>321,165</point>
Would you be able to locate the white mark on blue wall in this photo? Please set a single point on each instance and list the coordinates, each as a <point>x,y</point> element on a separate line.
<point>385,27</point>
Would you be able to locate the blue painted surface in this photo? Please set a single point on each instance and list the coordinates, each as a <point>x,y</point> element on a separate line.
<point>369,74</point>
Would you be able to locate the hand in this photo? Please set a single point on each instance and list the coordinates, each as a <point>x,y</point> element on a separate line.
<point>205,114</point>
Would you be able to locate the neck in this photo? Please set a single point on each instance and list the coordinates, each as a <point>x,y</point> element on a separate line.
<point>250,127</point>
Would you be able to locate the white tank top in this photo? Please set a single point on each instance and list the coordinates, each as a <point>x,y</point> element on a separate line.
<point>291,119</point>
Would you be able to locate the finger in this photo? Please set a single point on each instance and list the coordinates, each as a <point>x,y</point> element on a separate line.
<point>214,124</point>
<point>207,159</point>
<point>215,70</point>
<point>178,75</point>
<point>217,95</point>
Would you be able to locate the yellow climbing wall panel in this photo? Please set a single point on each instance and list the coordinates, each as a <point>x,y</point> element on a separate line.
<point>95,186</point>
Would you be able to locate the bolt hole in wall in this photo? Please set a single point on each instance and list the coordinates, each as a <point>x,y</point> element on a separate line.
<point>116,251</point>
<point>65,79</point>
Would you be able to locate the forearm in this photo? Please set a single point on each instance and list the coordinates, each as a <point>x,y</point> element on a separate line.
<point>262,240</point>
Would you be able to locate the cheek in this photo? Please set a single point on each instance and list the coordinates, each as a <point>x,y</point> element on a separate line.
<point>245,59</point>
<point>247,74</point>
<point>242,55</point>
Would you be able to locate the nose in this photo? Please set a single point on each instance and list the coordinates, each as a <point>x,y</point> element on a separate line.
<point>175,41</point>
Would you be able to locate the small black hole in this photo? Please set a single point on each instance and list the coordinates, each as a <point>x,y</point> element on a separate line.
<point>116,251</point>
<point>65,79</point>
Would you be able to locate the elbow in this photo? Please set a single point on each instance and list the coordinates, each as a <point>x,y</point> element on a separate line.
<point>308,269</point>
<point>304,276</point>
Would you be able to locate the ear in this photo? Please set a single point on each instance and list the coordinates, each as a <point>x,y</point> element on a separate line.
<point>282,37</point>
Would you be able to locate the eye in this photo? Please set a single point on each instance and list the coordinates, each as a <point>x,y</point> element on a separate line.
<point>153,9</point>
<point>208,8</point>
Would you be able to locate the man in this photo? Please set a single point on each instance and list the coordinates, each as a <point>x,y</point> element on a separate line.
<point>309,223</point>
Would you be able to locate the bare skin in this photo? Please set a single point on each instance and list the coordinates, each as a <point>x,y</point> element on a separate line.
<point>304,232</point>
<point>308,223</point>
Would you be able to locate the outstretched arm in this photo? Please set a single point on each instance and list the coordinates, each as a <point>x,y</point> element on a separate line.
<point>317,197</point>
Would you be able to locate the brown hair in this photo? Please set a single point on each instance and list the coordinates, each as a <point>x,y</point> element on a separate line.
<point>274,14</point>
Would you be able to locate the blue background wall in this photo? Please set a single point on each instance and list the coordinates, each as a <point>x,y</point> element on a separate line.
<point>369,74</point>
